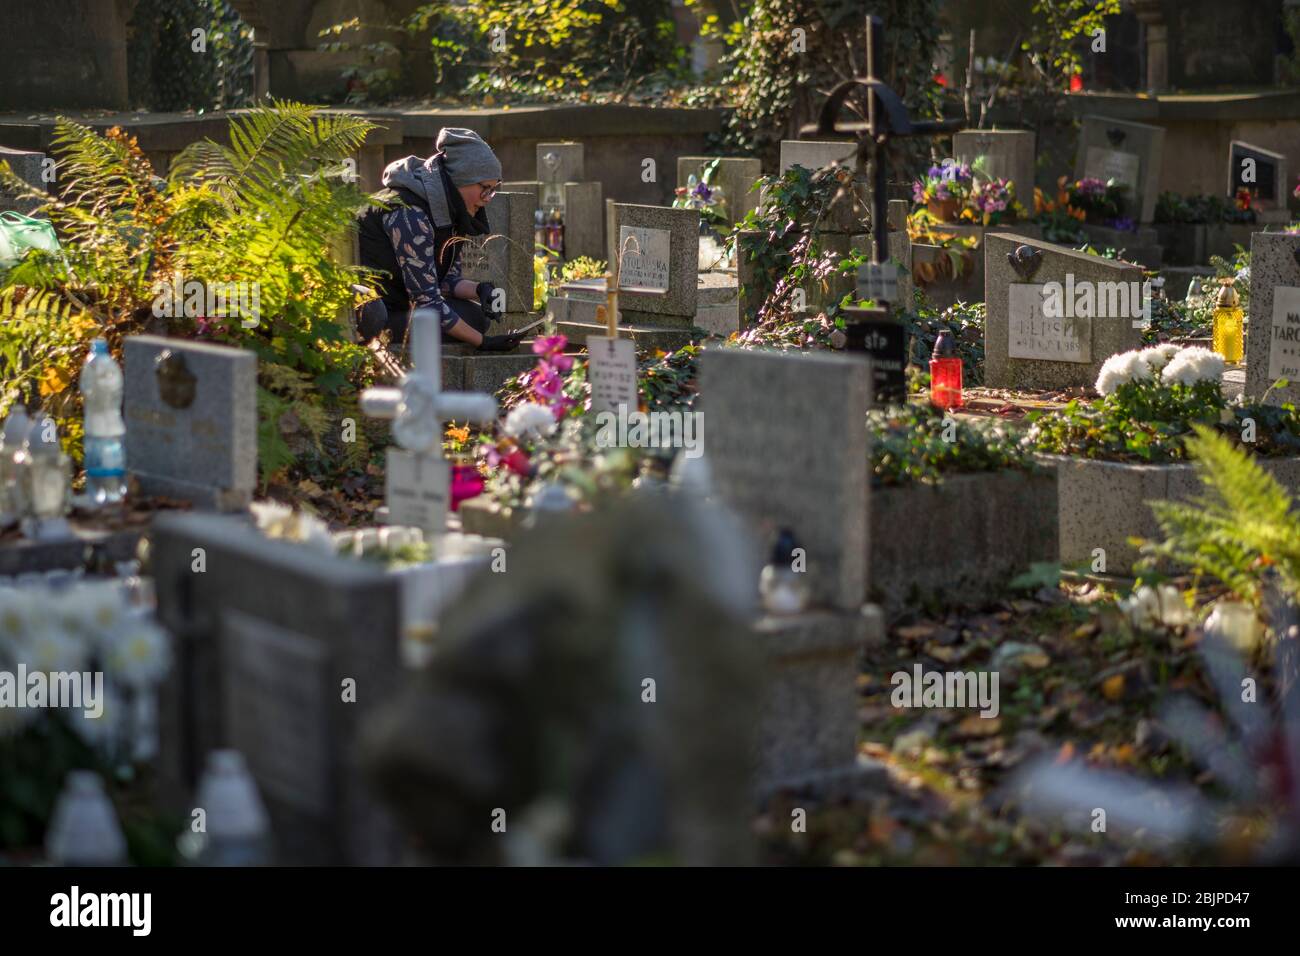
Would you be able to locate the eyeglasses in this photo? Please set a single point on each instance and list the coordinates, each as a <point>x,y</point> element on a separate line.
<point>488,191</point>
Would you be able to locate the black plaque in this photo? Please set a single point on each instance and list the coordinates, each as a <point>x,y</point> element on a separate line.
<point>883,338</point>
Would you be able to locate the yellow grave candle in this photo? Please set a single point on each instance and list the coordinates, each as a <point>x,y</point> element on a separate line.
<point>1228,322</point>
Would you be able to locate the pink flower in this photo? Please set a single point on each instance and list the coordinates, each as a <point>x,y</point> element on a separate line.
<point>548,345</point>
<point>546,383</point>
<point>562,405</point>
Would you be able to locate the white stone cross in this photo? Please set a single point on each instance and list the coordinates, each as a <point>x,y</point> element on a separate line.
<point>417,480</point>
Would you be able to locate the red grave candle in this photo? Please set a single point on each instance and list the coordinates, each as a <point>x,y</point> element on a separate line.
<point>945,374</point>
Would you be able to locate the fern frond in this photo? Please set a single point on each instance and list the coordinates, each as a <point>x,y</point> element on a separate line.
<point>1240,523</point>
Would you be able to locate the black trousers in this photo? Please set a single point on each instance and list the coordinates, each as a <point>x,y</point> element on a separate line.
<point>375,317</point>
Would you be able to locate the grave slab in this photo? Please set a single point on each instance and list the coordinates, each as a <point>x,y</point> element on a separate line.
<point>191,420</point>
<point>786,440</point>
<point>505,257</point>
<point>1080,344</point>
<point>1273,336</point>
<point>962,539</point>
<point>28,166</point>
<point>263,639</point>
<point>1259,170</point>
<point>734,174</point>
<point>1010,154</point>
<point>1127,152</point>
<point>659,281</point>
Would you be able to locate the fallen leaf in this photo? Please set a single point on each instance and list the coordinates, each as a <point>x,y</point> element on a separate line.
<point>1112,688</point>
<point>915,632</point>
<point>977,726</point>
<point>55,379</point>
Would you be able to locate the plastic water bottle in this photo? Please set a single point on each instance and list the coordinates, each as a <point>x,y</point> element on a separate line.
<point>84,829</point>
<point>238,830</point>
<point>101,389</point>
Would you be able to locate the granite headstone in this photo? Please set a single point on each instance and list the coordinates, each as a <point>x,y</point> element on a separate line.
<point>191,420</point>
<point>1024,347</point>
<point>1273,336</point>
<point>1129,153</point>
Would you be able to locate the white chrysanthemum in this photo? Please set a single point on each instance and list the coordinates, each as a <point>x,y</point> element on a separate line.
<point>1121,368</point>
<point>271,517</point>
<point>311,531</point>
<point>15,614</point>
<point>48,647</point>
<point>1192,365</point>
<point>1157,356</point>
<point>1148,608</point>
<point>138,654</point>
<point>529,420</point>
<point>110,723</point>
<point>93,609</point>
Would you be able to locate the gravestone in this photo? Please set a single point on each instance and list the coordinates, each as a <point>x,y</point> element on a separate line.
<point>28,166</point>
<point>560,163</point>
<point>1273,336</point>
<point>561,184</point>
<point>1263,173</point>
<point>584,232</point>
<point>264,635</point>
<point>539,698</point>
<point>659,268</point>
<point>505,256</point>
<point>787,447</point>
<point>1129,153</point>
<point>1009,154</point>
<point>900,249</point>
<point>191,420</point>
<point>816,154</point>
<point>1025,349</point>
<point>734,174</point>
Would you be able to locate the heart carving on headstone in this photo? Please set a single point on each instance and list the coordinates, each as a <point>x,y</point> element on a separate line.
<point>1116,135</point>
<point>1025,260</point>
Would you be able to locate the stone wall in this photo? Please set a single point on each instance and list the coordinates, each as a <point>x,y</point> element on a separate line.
<point>65,54</point>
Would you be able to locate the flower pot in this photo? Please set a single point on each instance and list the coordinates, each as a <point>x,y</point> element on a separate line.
<point>945,210</point>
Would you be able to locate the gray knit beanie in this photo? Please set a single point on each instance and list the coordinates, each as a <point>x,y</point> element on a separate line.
<point>468,159</point>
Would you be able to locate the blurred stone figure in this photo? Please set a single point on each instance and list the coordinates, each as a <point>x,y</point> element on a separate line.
<point>594,703</point>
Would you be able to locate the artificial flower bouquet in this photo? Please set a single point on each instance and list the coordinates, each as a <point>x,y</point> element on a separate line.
<point>1102,203</point>
<point>944,189</point>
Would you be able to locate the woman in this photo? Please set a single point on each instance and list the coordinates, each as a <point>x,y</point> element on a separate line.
<point>430,207</point>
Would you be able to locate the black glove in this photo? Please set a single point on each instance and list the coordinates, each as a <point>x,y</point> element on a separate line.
<point>486,293</point>
<point>501,343</point>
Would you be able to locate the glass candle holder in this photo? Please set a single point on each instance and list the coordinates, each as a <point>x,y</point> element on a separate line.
<point>945,374</point>
<point>1228,324</point>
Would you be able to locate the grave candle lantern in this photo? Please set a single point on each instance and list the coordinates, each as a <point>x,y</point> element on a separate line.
<point>44,476</point>
<point>945,374</point>
<point>1228,323</point>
